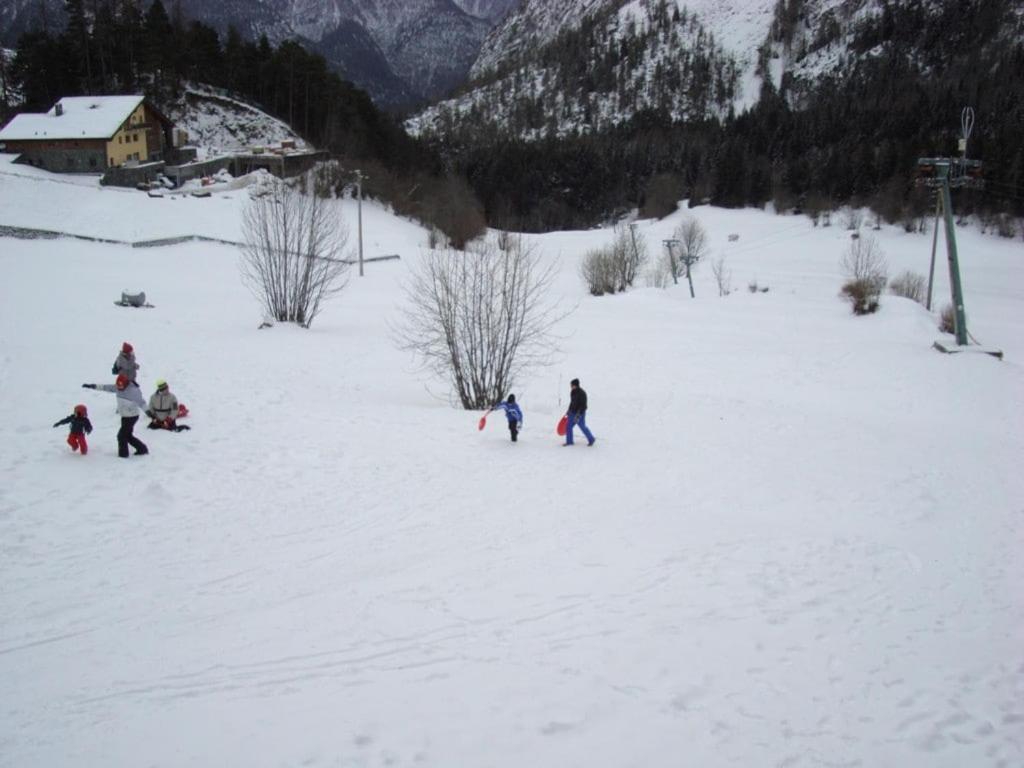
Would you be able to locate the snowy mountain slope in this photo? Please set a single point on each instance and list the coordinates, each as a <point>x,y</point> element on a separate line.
<point>400,51</point>
<point>218,121</point>
<point>426,46</point>
<point>600,69</point>
<point>795,542</point>
<point>587,64</point>
<point>491,10</point>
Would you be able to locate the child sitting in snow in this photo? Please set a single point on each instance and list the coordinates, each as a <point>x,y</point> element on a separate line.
<point>514,415</point>
<point>80,426</point>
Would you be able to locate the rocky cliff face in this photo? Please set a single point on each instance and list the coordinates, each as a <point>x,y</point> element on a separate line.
<point>400,51</point>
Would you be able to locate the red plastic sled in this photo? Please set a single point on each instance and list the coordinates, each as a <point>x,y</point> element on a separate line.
<point>483,422</point>
<point>182,411</point>
<point>563,423</point>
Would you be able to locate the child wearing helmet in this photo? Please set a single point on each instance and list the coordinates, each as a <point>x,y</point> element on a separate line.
<point>125,364</point>
<point>130,404</point>
<point>163,407</point>
<point>80,427</point>
<point>513,413</point>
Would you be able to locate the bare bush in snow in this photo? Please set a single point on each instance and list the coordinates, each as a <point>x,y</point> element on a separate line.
<point>909,285</point>
<point>863,263</point>
<point>723,276</point>
<point>292,254</point>
<point>479,317</point>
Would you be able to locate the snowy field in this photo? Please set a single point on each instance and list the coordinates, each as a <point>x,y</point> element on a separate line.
<point>797,541</point>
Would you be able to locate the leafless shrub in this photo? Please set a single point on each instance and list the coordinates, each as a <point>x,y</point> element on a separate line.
<point>864,264</point>
<point>504,239</point>
<point>615,267</point>
<point>852,218</point>
<point>657,274</point>
<point>599,271</point>
<point>947,319</point>
<point>478,318</point>
<point>863,296</point>
<point>864,260</point>
<point>630,254</point>
<point>292,256</point>
<point>692,241</point>
<point>723,277</point>
<point>909,285</point>
<point>1006,226</point>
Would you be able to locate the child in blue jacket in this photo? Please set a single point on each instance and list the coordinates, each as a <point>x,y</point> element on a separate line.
<point>514,415</point>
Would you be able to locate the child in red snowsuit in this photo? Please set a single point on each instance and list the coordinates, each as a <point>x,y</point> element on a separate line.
<point>80,426</point>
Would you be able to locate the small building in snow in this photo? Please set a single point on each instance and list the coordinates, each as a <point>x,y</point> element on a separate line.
<point>83,134</point>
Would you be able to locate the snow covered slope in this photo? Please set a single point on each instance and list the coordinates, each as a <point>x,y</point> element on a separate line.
<point>795,543</point>
<point>217,120</point>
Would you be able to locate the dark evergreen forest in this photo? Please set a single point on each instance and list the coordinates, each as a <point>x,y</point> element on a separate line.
<point>852,137</point>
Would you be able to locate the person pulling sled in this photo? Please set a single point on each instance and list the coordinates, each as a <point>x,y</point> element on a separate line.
<point>513,413</point>
<point>577,413</point>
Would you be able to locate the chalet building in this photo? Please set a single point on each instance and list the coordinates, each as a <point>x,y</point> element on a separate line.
<point>89,134</point>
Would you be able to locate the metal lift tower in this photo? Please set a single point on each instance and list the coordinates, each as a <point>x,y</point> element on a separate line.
<point>943,174</point>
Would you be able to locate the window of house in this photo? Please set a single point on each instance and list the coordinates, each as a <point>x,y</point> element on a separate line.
<point>111,162</point>
<point>118,139</point>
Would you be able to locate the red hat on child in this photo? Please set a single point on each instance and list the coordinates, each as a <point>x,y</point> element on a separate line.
<point>121,382</point>
<point>81,410</point>
<point>127,348</point>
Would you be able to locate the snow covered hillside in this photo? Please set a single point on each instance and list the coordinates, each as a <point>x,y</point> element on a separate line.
<point>796,542</point>
<point>218,121</point>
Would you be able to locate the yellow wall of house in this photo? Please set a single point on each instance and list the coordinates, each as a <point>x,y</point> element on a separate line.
<point>129,143</point>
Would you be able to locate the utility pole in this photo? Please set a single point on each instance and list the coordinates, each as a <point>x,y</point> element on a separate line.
<point>670,244</point>
<point>944,173</point>
<point>935,241</point>
<point>359,207</point>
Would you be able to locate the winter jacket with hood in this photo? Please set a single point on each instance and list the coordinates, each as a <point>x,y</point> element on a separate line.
<point>163,405</point>
<point>129,400</point>
<point>125,365</point>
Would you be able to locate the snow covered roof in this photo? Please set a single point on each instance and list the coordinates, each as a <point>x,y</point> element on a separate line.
<point>73,117</point>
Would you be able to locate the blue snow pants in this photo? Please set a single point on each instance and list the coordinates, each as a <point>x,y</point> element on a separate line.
<point>578,420</point>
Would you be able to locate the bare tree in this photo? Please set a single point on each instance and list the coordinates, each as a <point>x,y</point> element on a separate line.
<point>631,249</point>
<point>292,257</point>
<point>478,318</point>
<point>723,276</point>
<point>693,246</point>
<point>864,260</point>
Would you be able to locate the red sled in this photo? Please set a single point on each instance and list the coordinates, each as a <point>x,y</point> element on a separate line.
<point>563,424</point>
<point>182,411</point>
<point>483,422</point>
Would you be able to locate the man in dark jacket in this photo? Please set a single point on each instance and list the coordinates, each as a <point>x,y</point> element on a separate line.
<point>577,413</point>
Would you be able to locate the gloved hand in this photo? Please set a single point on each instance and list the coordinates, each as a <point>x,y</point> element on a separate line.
<point>150,414</point>
<point>88,430</point>
<point>57,424</point>
<point>88,386</point>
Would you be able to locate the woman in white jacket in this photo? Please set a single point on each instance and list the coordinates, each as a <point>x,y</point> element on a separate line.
<point>130,404</point>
